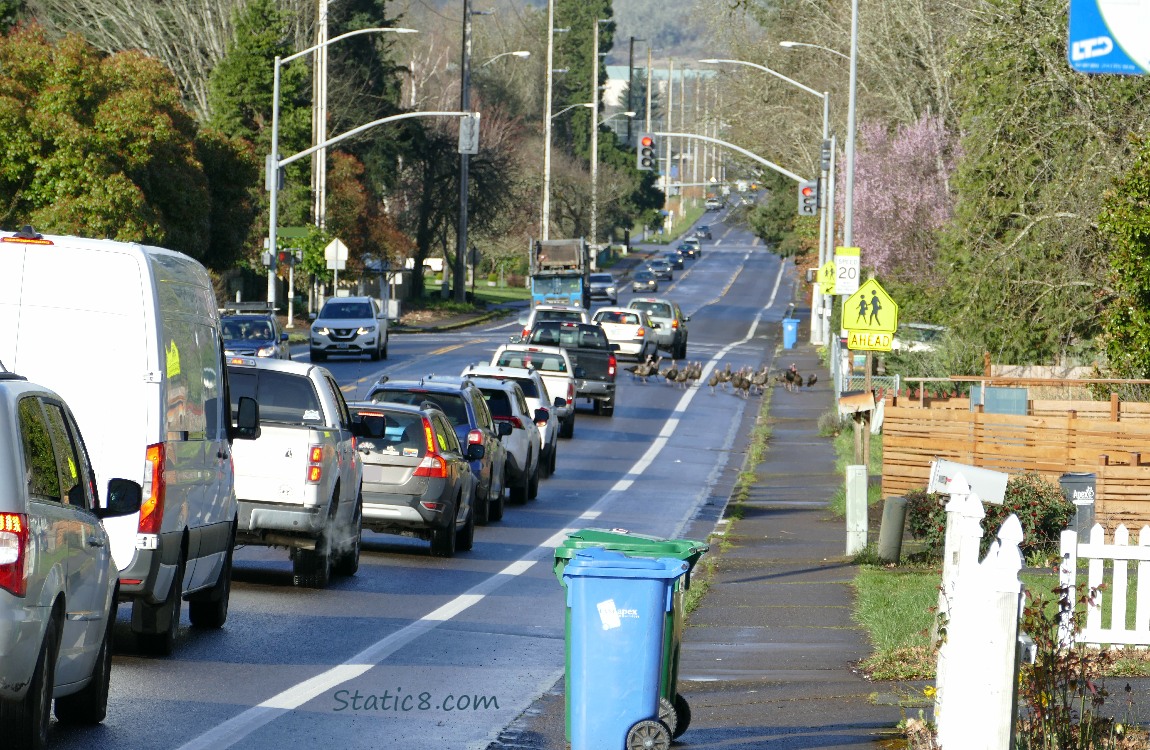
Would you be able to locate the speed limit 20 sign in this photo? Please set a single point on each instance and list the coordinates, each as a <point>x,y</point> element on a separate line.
<point>846,270</point>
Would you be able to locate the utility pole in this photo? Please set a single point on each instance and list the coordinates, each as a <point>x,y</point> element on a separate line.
<point>595,147</point>
<point>459,272</point>
<point>682,129</point>
<point>670,123</point>
<point>319,120</point>
<point>630,85</point>
<point>647,120</point>
<point>545,220</point>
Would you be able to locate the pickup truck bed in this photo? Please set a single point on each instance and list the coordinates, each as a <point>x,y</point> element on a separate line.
<point>592,359</point>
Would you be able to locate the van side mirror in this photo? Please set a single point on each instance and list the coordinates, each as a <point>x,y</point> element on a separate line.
<point>247,419</point>
<point>123,499</point>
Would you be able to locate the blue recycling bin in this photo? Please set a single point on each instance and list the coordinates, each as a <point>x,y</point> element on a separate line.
<point>618,609</point>
<point>790,332</point>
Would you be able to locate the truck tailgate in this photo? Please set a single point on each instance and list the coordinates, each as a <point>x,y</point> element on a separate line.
<point>273,468</point>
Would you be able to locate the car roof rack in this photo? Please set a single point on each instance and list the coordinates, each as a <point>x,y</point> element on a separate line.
<point>247,307</point>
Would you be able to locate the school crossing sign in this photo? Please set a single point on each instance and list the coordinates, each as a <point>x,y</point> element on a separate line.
<point>870,318</point>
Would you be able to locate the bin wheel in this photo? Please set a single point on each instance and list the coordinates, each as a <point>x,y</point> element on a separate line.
<point>648,735</point>
<point>668,715</point>
<point>682,716</point>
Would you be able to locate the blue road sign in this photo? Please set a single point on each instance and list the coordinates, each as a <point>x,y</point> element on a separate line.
<point>1110,36</point>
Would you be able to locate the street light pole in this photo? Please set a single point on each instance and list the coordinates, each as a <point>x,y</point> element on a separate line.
<point>459,270</point>
<point>849,196</point>
<point>273,163</point>
<point>595,148</point>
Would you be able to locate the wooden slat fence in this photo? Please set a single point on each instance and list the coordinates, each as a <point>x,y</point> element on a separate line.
<point>1047,445</point>
<point>1122,627</point>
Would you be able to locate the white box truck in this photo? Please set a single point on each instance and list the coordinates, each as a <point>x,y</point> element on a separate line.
<point>129,336</point>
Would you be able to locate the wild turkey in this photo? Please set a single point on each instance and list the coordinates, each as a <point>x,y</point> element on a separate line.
<point>812,379</point>
<point>793,378</point>
<point>671,372</point>
<point>725,376</point>
<point>759,380</point>
<point>714,380</point>
<point>741,382</point>
<point>642,369</point>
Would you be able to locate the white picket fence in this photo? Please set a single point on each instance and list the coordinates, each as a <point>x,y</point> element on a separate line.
<point>1117,556</point>
<point>981,601</point>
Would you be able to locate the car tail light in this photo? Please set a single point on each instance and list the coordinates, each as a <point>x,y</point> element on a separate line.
<point>526,333</point>
<point>640,333</point>
<point>314,464</point>
<point>152,506</point>
<point>475,437</point>
<point>675,323</point>
<point>514,421</point>
<point>13,551</point>
<point>432,466</point>
<point>611,364</point>
<point>431,505</point>
<point>570,393</point>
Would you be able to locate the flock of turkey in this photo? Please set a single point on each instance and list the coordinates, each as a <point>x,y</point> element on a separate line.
<point>744,382</point>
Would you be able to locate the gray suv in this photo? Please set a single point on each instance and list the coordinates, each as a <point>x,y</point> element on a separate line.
<point>603,286</point>
<point>672,331</point>
<point>57,579</point>
<point>349,325</point>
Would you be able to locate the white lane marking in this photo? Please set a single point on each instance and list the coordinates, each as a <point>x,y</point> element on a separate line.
<point>589,516</point>
<point>237,728</point>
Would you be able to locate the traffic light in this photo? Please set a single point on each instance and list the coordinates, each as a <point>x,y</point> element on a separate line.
<point>809,198</point>
<point>647,155</point>
<point>825,156</point>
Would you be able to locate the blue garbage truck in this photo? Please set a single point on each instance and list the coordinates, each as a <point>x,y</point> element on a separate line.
<point>560,273</point>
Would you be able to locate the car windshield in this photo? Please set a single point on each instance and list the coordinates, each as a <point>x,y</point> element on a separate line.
<point>654,309</point>
<point>557,285</point>
<point>283,397</point>
<point>601,278</point>
<point>247,329</point>
<point>346,310</point>
<point>644,276</point>
<point>617,316</point>
<point>451,404</point>
<point>658,264</point>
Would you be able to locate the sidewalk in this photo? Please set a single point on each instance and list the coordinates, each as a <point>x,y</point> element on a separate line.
<point>767,657</point>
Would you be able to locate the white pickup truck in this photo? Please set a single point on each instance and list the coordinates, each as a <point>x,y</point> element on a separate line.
<point>298,484</point>
<point>555,367</point>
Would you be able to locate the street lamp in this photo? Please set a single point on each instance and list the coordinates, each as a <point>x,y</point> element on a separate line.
<point>826,217</point>
<point>570,107</point>
<point>519,53</point>
<point>273,158</point>
<point>790,45</point>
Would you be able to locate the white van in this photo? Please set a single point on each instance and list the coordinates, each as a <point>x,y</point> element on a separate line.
<point>129,336</point>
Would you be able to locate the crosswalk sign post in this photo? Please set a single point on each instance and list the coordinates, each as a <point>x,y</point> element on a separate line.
<point>826,278</point>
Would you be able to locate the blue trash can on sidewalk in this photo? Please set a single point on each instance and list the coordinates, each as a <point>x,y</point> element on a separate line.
<point>790,332</point>
<point>618,610</point>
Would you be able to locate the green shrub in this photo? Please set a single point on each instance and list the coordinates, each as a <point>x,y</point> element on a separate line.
<point>1038,503</point>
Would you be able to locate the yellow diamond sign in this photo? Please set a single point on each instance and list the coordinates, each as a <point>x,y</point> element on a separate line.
<point>826,278</point>
<point>870,310</point>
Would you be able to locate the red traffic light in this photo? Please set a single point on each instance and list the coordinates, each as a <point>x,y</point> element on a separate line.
<point>646,141</point>
<point>807,191</point>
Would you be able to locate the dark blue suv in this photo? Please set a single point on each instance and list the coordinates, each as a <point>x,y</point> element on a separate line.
<point>252,332</point>
<point>463,403</point>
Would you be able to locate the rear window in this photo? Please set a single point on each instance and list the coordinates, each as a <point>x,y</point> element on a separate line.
<point>498,403</point>
<point>283,397</point>
<point>614,316</point>
<point>451,404</point>
<point>570,315</point>
<point>347,310</point>
<point>255,329</point>
<point>654,309</point>
<point>402,434</point>
<point>527,385</point>
<point>540,361</point>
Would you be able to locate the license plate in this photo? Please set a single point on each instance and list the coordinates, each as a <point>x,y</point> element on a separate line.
<point>341,346</point>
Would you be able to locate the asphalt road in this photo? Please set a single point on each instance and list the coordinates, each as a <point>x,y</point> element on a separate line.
<point>422,652</point>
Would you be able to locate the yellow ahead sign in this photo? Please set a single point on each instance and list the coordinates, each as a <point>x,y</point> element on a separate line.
<point>869,342</point>
<point>870,310</point>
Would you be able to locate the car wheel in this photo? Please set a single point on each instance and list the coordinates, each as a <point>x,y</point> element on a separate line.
<point>567,428</point>
<point>311,569</point>
<point>26,721</point>
<point>608,408</point>
<point>551,461</point>
<point>347,559</point>
<point>533,482</point>
<point>481,506</point>
<point>160,623</point>
<point>466,539</point>
<point>90,705</point>
<point>384,352</point>
<point>210,609</point>
<point>443,540</point>
<point>495,503</point>
<point>317,356</point>
<point>375,355</point>
<point>519,490</point>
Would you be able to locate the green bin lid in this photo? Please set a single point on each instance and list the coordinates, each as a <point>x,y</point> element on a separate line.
<point>636,545</point>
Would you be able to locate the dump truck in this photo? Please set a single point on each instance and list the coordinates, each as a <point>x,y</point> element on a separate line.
<point>559,273</point>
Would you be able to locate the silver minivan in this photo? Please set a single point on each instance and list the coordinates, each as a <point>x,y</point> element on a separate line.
<point>57,578</point>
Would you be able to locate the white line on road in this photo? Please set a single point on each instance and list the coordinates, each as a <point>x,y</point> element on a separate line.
<point>237,728</point>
